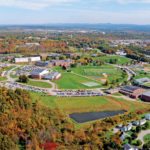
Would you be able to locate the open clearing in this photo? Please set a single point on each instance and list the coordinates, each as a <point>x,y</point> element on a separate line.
<point>88,104</point>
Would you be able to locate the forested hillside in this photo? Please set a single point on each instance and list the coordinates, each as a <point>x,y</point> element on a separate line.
<point>27,125</point>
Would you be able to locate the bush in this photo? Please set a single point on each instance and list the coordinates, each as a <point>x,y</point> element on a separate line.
<point>23,79</point>
<point>138,143</point>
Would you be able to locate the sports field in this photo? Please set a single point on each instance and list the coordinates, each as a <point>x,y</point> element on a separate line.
<point>96,75</point>
<point>73,81</point>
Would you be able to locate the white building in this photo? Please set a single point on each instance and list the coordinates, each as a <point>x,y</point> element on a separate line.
<point>139,122</point>
<point>121,53</point>
<point>126,128</point>
<point>147,116</point>
<point>27,59</point>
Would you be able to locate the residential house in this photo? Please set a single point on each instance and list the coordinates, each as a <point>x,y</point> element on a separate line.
<point>147,116</point>
<point>126,128</point>
<point>139,122</point>
<point>129,147</point>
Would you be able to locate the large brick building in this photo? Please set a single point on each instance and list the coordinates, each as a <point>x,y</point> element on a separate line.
<point>146,96</point>
<point>131,91</point>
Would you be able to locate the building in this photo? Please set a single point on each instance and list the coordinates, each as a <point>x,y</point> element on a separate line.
<point>145,96</point>
<point>38,73</point>
<point>132,91</point>
<point>65,63</point>
<point>27,59</point>
<point>42,63</point>
<point>129,147</point>
<point>52,76</point>
<point>141,81</point>
<point>147,116</point>
<point>121,53</point>
<point>112,91</point>
<point>126,128</point>
<point>139,122</point>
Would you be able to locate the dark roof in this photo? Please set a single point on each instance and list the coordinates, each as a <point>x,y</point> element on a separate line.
<point>42,63</point>
<point>129,88</point>
<point>37,71</point>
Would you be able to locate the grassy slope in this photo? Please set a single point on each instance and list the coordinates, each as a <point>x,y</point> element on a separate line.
<point>39,84</point>
<point>87,104</point>
<point>120,60</point>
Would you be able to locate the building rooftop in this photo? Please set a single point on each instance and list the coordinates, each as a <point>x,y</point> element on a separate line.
<point>142,80</point>
<point>37,71</point>
<point>146,93</point>
<point>129,88</point>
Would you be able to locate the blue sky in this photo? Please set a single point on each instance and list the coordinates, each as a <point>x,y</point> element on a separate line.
<point>74,11</point>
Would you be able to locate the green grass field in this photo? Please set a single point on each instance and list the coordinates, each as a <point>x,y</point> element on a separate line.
<point>147,138</point>
<point>83,74</point>
<point>39,84</point>
<point>87,104</point>
<point>120,60</point>
<point>73,81</point>
<point>2,78</point>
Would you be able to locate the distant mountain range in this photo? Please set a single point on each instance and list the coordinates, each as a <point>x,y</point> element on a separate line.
<point>89,27</point>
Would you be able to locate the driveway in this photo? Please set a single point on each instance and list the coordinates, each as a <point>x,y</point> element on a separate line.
<point>142,134</point>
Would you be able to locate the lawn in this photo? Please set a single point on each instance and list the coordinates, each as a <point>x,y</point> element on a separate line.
<point>88,104</point>
<point>73,81</point>
<point>2,78</point>
<point>46,100</point>
<point>39,84</point>
<point>120,59</point>
<point>147,138</point>
<point>83,74</point>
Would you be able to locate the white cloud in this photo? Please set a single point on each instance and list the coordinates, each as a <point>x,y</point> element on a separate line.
<point>33,4</point>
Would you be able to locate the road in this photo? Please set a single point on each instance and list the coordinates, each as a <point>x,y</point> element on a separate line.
<point>142,134</point>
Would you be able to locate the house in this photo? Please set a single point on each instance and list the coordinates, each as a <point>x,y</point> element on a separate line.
<point>147,116</point>
<point>126,128</point>
<point>123,136</point>
<point>139,122</point>
<point>38,73</point>
<point>141,81</point>
<point>121,53</point>
<point>132,91</point>
<point>145,96</point>
<point>129,147</point>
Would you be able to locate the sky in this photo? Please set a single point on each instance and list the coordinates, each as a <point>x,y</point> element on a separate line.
<point>74,11</point>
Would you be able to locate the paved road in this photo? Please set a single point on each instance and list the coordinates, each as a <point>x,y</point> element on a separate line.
<point>8,74</point>
<point>142,134</point>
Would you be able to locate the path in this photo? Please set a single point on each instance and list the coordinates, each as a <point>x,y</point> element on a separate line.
<point>142,134</point>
